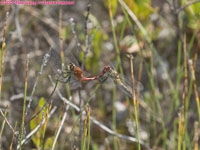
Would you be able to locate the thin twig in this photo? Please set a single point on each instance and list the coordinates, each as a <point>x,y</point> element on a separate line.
<point>2,128</point>
<point>2,53</point>
<point>18,97</point>
<point>134,101</point>
<point>81,103</point>
<point>86,23</point>
<point>187,5</point>
<point>60,127</point>
<point>60,35</point>
<point>121,136</point>
<point>85,131</point>
<point>18,28</point>
<point>116,44</point>
<point>86,37</point>
<point>13,137</point>
<point>182,121</point>
<point>88,49</point>
<point>71,20</point>
<point>185,93</point>
<point>3,125</point>
<point>196,135</point>
<point>88,119</point>
<point>44,63</point>
<point>24,105</point>
<point>192,70</point>
<point>7,121</point>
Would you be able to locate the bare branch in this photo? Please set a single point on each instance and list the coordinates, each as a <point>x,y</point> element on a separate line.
<point>7,122</point>
<point>60,127</point>
<point>44,63</point>
<point>187,5</point>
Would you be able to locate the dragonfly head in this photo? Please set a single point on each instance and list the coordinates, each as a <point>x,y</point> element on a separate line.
<point>71,67</point>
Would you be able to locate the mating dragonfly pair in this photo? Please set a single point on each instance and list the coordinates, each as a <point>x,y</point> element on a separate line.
<point>71,72</point>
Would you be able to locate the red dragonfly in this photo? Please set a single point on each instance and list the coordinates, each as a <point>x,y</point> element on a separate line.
<point>67,74</point>
<point>73,72</point>
<point>110,73</point>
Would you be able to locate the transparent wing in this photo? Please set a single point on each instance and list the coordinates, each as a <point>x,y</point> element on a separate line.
<point>138,85</point>
<point>55,62</point>
<point>122,82</point>
<point>56,65</point>
<point>125,89</point>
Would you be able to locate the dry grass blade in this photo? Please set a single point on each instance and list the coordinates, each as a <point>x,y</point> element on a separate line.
<point>3,50</point>
<point>186,5</point>
<point>44,63</point>
<point>181,137</point>
<point>139,77</point>
<point>134,101</point>
<point>180,129</point>
<point>13,137</point>
<point>7,121</point>
<point>87,42</point>
<point>185,92</point>
<point>86,130</point>
<point>60,127</point>
<point>195,86</point>
<point>196,135</point>
<point>24,106</point>
<point>60,35</point>
<point>88,119</point>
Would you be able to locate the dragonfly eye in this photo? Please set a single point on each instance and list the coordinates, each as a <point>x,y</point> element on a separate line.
<point>71,66</point>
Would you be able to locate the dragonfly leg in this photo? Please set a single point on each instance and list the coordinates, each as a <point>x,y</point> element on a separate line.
<point>102,79</point>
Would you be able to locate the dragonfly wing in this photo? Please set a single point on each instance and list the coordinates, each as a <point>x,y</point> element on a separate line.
<point>86,74</point>
<point>125,89</point>
<point>102,79</point>
<point>72,79</point>
<point>126,81</point>
<point>74,85</point>
<point>64,79</point>
<point>138,86</point>
<point>55,61</point>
